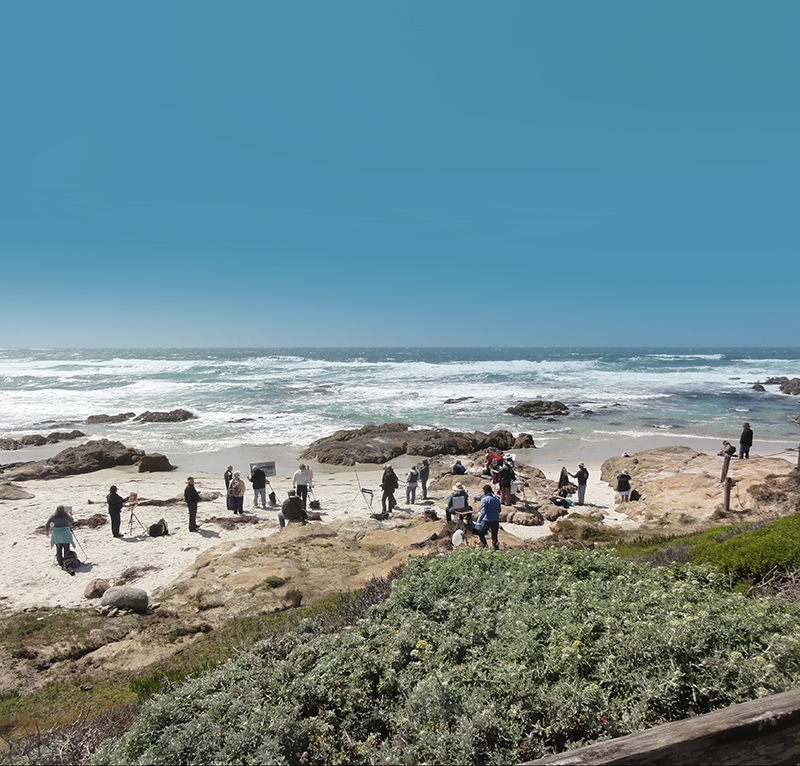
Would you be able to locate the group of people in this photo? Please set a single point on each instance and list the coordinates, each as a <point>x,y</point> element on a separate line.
<point>417,477</point>
<point>235,488</point>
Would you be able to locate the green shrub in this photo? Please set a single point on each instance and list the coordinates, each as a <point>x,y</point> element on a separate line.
<point>753,554</point>
<point>482,657</point>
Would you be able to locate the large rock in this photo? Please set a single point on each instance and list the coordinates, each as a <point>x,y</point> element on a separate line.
<point>173,416</point>
<point>154,463</point>
<point>539,408</point>
<point>126,597</point>
<point>92,456</point>
<point>379,444</point>
<point>121,418</point>
<point>96,588</point>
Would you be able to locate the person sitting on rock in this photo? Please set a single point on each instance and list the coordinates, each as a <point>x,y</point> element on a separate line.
<point>458,502</point>
<point>727,449</point>
<point>458,468</point>
<point>292,510</point>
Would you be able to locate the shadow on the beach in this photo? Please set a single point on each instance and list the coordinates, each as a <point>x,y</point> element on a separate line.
<point>207,533</point>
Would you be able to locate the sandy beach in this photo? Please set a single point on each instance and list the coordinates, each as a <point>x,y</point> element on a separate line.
<point>31,576</point>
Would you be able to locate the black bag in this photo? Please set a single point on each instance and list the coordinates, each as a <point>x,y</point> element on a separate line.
<point>635,495</point>
<point>71,562</point>
<point>273,498</point>
<point>159,529</point>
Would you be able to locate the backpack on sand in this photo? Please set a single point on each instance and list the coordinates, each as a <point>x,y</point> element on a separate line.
<point>159,529</point>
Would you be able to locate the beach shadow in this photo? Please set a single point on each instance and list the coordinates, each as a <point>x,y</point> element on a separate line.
<point>207,533</point>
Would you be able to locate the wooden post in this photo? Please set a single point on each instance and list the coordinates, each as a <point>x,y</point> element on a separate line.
<point>725,463</point>
<point>727,501</point>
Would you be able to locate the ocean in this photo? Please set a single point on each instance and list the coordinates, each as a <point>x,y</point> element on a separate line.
<point>290,397</point>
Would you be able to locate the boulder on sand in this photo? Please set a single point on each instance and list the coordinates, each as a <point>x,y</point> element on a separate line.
<point>154,463</point>
<point>126,597</point>
<point>96,588</point>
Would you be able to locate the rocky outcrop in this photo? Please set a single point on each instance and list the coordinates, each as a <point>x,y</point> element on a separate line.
<point>173,416</point>
<point>539,408</point>
<point>121,418</point>
<point>37,440</point>
<point>758,387</point>
<point>379,444</point>
<point>88,457</point>
<point>155,462</point>
<point>787,385</point>
<point>126,597</point>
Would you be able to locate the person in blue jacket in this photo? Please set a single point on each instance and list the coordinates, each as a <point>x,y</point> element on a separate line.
<point>489,517</point>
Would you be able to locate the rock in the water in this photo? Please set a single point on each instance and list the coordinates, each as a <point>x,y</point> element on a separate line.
<point>121,418</point>
<point>96,588</point>
<point>758,387</point>
<point>155,462</point>
<point>37,440</point>
<point>126,597</point>
<point>539,408</point>
<point>173,416</point>
<point>92,456</point>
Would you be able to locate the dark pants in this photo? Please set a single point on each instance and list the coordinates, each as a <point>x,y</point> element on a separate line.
<point>61,550</point>
<point>387,498</point>
<point>302,493</point>
<point>229,501</point>
<point>424,484</point>
<point>492,526</point>
<point>744,451</point>
<point>237,503</point>
<point>115,521</point>
<point>192,517</point>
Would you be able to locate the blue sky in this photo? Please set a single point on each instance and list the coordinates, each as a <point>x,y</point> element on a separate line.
<point>416,173</point>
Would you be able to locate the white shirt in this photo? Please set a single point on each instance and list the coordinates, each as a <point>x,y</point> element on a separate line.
<point>301,477</point>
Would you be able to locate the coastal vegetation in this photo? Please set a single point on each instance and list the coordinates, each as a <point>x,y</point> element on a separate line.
<point>468,656</point>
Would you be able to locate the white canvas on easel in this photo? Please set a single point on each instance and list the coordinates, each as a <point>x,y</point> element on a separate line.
<point>459,503</point>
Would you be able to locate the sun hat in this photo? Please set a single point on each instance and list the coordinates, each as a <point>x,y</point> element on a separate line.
<point>458,486</point>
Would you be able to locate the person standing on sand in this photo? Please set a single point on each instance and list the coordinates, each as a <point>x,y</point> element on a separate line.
<point>424,472</point>
<point>411,485</point>
<point>115,503</point>
<point>301,481</point>
<point>624,487</point>
<point>237,489</point>
<point>61,536</point>
<point>192,498</point>
<point>389,484</point>
<point>259,482</point>
<point>581,477</point>
<point>745,442</point>
<point>228,475</point>
<point>489,517</point>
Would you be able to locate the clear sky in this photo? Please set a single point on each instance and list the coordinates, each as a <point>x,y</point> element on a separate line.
<point>399,173</point>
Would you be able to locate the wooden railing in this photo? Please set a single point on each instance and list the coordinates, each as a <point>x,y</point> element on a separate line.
<point>765,731</point>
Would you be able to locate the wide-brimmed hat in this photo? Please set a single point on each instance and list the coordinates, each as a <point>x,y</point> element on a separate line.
<point>458,486</point>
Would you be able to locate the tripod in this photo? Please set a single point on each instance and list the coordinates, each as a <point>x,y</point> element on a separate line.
<point>134,499</point>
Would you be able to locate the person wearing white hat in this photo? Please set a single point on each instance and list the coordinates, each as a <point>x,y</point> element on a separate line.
<point>581,476</point>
